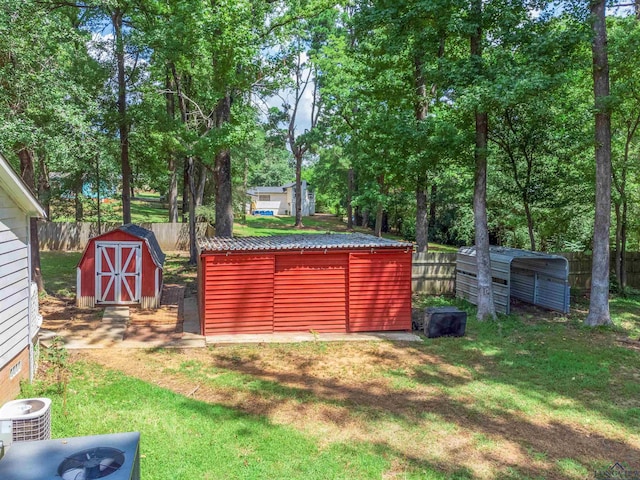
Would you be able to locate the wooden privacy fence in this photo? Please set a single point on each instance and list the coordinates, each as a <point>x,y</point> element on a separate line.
<point>432,273</point>
<point>75,235</point>
<point>580,269</point>
<point>435,273</point>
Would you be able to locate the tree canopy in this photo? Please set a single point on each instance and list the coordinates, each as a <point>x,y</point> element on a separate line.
<point>435,120</point>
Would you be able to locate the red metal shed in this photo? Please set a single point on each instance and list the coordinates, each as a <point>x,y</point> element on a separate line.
<point>121,267</point>
<point>288,283</point>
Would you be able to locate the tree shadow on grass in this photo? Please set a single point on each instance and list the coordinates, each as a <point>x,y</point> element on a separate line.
<point>432,386</point>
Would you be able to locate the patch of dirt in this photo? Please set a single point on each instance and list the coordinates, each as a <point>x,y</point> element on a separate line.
<point>393,395</point>
<point>60,314</point>
<point>170,312</point>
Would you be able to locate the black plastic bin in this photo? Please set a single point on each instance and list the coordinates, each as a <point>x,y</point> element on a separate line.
<point>442,322</point>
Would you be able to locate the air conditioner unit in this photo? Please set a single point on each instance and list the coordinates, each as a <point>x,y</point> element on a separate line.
<point>113,456</point>
<point>25,420</point>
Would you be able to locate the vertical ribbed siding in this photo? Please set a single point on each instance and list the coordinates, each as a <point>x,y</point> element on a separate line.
<point>238,294</point>
<point>310,292</point>
<point>379,291</point>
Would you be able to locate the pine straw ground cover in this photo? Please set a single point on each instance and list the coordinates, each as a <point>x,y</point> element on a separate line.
<point>529,396</point>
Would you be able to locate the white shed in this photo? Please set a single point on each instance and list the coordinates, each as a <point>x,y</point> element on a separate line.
<point>540,279</point>
<point>19,317</point>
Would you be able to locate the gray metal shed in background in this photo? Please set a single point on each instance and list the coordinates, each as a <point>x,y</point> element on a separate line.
<point>538,278</point>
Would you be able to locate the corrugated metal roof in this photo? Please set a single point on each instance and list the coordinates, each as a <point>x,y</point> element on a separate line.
<point>298,242</point>
<point>511,253</point>
<point>534,277</point>
<point>149,237</point>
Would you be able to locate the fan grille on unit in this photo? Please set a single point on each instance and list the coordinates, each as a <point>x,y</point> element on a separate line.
<point>91,464</point>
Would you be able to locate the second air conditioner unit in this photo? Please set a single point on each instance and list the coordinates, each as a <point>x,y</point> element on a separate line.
<point>25,420</point>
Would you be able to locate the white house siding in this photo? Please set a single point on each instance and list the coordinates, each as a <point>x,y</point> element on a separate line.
<point>14,281</point>
<point>277,203</point>
<point>282,200</point>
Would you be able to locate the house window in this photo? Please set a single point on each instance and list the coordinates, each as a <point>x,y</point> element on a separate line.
<point>15,370</point>
<point>264,198</point>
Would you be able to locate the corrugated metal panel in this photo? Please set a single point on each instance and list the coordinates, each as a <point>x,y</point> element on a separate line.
<point>237,293</point>
<point>467,281</point>
<point>467,288</point>
<point>552,293</point>
<point>533,277</point>
<point>379,291</point>
<point>310,292</point>
<point>523,285</point>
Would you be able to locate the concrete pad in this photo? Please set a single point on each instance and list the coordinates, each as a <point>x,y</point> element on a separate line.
<point>309,337</point>
<point>177,343</point>
<point>116,313</point>
<point>191,315</point>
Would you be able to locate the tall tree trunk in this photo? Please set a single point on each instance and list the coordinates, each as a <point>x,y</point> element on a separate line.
<point>623,248</point>
<point>172,193</point>
<point>173,189</point>
<point>98,200</point>
<point>28,176</point>
<point>222,174</point>
<point>245,185</point>
<point>620,183</point>
<point>486,308</point>
<point>298,190</point>
<point>420,111</point>
<point>123,122</point>
<point>44,187</point>
<point>379,207</point>
<point>599,301</point>
<point>432,205</point>
<point>202,181</point>
<point>527,212</point>
<point>193,250</point>
<point>422,221</point>
<point>358,220</point>
<point>618,252</point>
<point>185,190</point>
<point>350,199</point>
<point>184,111</point>
<point>79,207</point>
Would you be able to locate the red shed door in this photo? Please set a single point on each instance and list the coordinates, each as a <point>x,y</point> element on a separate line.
<point>237,293</point>
<point>118,272</point>
<point>310,293</point>
<point>379,291</point>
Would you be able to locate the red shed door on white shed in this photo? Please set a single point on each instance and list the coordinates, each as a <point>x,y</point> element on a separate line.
<point>118,272</point>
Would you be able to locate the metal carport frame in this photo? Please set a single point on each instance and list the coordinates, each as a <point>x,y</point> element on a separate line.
<point>537,278</point>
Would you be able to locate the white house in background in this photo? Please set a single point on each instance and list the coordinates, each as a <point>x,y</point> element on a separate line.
<point>19,316</point>
<point>281,200</point>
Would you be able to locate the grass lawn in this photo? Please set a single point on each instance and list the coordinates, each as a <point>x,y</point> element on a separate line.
<point>320,223</point>
<point>530,396</point>
<point>145,208</point>
<point>59,272</point>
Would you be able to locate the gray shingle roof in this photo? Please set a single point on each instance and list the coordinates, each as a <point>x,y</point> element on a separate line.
<point>298,242</point>
<point>149,237</point>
